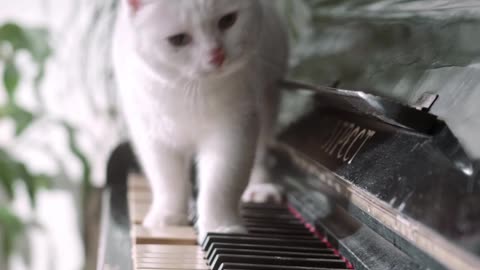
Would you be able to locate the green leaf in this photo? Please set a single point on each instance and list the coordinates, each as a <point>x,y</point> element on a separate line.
<point>29,181</point>
<point>38,44</point>
<point>11,77</point>
<point>12,170</point>
<point>33,182</point>
<point>7,173</point>
<point>78,153</point>
<point>14,34</point>
<point>12,227</point>
<point>43,181</point>
<point>20,116</point>
<point>34,40</point>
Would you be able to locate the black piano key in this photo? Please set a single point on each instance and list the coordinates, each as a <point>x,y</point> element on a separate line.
<point>276,239</point>
<point>276,220</point>
<point>277,226</point>
<point>245,266</point>
<point>246,239</point>
<point>263,206</point>
<point>271,235</point>
<point>252,211</point>
<point>285,237</point>
<point>268,215</point>
<point>265,213</point>
<point>280,218</point>
<point>271,210</point>
<point>273,221</point>
<point>279,261</point>
<point>277,231</point>
<point>267,247</point>
<point>238,251</point>
<point>299,236</point>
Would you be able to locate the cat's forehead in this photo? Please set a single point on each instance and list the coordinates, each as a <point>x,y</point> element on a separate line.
<point>196,9</point>
<point>168,17</point>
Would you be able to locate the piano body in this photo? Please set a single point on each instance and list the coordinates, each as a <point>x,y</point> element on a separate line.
<point>370,183</point>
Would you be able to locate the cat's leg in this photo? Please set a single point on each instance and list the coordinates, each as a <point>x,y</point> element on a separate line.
<point>224,164</point>
<point>261,187</point>
<point>167,171</point>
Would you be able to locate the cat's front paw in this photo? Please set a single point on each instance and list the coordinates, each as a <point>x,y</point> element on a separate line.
<point>262,193</point>
<point>155,219</point>
<point>202,233</point>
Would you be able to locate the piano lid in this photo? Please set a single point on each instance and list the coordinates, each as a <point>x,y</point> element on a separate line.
<point>403,158</point>
<point>386,109</point>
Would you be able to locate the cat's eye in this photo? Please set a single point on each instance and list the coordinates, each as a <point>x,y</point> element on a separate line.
<point>227,21</point>
<point>180,40</point>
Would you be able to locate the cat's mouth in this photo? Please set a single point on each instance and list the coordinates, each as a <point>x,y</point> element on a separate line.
<point>228,66</point>
<point>216,71</point>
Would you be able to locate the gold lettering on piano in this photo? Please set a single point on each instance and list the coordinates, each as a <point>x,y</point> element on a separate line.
<point>347,140</point>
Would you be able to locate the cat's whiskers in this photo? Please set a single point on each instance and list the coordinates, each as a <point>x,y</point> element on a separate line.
<point>191,93</point>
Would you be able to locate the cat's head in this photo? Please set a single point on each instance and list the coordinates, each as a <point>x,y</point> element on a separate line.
<point>196,38</point>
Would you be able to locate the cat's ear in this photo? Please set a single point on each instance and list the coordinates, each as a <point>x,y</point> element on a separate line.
<point>134,5</point>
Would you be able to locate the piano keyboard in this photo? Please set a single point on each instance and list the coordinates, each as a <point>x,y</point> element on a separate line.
<point>277,239</point>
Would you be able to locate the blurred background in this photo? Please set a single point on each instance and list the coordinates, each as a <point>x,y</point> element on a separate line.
<point>59,118</point>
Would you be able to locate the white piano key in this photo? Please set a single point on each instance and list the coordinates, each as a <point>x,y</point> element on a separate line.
<point>165,266</point>
<point>168,249</point>
<point>165,248</point>
<point>165,235</point>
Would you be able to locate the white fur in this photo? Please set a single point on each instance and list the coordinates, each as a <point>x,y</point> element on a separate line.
<point>181,109</point>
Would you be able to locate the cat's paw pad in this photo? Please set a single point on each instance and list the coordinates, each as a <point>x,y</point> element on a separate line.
<point>156,219</point>
<point>232,229</point>
<point>262,193</point>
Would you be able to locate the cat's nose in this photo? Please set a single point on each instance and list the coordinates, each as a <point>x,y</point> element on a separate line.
<point>217,57</point>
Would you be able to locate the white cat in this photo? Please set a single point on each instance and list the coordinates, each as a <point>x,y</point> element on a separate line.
<point>197,83</point>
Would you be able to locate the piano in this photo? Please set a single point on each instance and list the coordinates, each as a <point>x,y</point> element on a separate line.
<point>370,184</point>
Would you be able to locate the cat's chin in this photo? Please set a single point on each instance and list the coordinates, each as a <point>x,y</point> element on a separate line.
<point>218,73</point>
<point>213,74</point>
